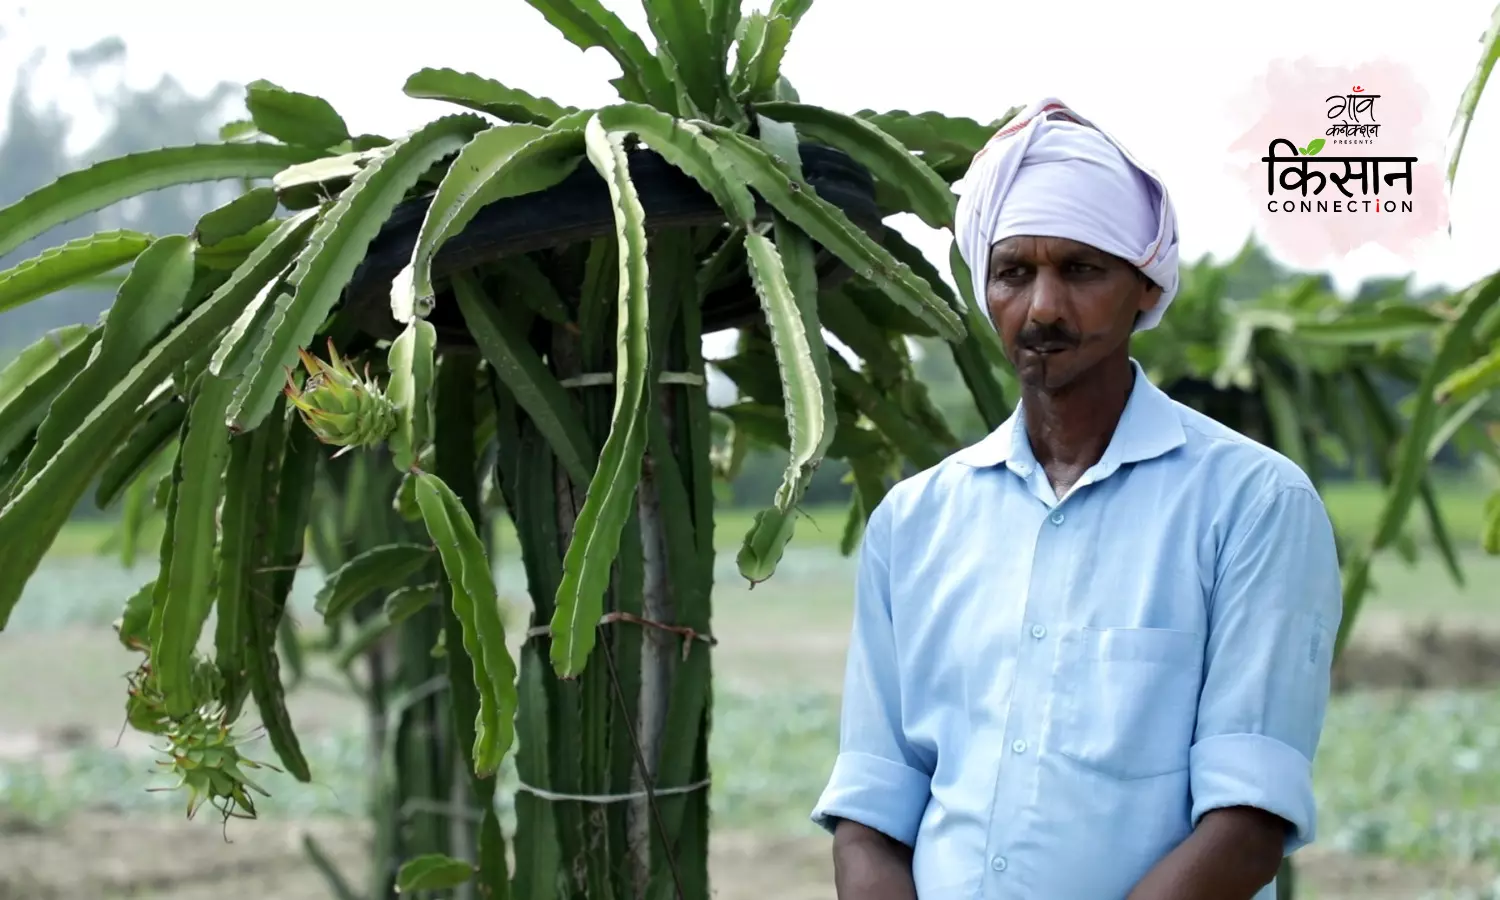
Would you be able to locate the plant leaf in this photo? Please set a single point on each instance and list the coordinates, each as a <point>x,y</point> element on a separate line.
<point>146,442</point>
<point>476,605</point>
<point>1463,117</point>
<point>723,17</point>
<point>596,539</point>
<point>685,147</point>
<point>134,624</point>
<point>766,424</point>
<point>69,264</point>
<point>979,356</point>
<point>236,217</point>
<point>371,631</point>
<point>692,56</point>
<point>279,551</point>
<point>1458,420</point>
<point>484,95</point>
<point>793,10</point>
<point>30,381</point>
<point>242,338</point>
<point>927,195</point>
<point>247,482</point>
<point>403,603</point>
<point>1282,410</point>
<point>334,250</point>
<point>522,371</point>
<point>1410,467</point>
<point>238,130</point>
<point>522,279</point>
<point>587,24</point>
<point>106,183</point>
<point>151,297</point>
<point>1472,380</point>
<point>758,56</point>
<point>326,170</point>
<point>189,594</point>
<point>1397,322</point>
<point>787,282</point>
<point>505,161</point>
<point>293,117</point>
<point>382,568</point>
<point>885,414</point>
<point>410,388</point>
<point>227,255</point>
<point>433,872</point>
<point>947,144</point>
<point>31,519</point>
<point>829,226</point>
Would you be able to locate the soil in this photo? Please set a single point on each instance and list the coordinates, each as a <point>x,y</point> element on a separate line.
<point>1396,653</point>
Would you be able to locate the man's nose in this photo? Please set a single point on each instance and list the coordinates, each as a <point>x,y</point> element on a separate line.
<point>1048,297</point>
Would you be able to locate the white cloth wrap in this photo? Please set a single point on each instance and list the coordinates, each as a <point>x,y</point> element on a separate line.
<point>1052,173</point>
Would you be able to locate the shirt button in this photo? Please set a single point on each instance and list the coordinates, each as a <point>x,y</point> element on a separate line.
<point>998,864</point>
<point>1057,518</point>
<point>1019,746</point>
<point>1038,631</point>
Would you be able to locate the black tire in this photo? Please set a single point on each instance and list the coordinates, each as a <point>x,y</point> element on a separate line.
<point>578,209</point>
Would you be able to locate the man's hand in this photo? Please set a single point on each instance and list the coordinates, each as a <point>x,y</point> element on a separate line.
<point>1232,854</point>
<point>867,865</point>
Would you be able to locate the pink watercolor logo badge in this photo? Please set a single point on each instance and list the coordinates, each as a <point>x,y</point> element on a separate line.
<point>1339,159</point>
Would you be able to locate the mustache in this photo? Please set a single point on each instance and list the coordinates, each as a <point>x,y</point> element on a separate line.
<point>1050,335</point>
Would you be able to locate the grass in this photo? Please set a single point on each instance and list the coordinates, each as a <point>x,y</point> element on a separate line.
<point>771,756</point>
<point>1402,777</point>
<point>1411,776</point>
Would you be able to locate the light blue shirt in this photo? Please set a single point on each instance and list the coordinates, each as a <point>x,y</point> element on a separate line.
<point>1044,697</point>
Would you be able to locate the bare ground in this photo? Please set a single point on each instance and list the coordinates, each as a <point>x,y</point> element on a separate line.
<point>1396,651</point>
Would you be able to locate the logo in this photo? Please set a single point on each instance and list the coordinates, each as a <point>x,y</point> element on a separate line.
<point>1296,176</point>
<point>1348,107</point>
<point>1341,161</point>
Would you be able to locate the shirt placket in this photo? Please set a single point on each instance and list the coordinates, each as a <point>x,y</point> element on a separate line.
<point>1016,789</point>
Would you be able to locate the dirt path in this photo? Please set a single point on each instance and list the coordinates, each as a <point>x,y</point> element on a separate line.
<point>110,857</point>
<point>1398,651</point>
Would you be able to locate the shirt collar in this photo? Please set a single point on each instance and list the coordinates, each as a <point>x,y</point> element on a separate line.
<point>1149,427</point>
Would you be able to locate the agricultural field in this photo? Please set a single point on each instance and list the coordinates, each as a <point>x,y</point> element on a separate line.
<point>1410,797</point>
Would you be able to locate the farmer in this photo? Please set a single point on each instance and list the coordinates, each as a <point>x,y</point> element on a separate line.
<point>1091,653</point>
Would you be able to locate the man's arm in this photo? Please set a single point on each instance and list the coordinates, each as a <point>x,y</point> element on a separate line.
<point>1273,617</point>
<point>880,784</point>
<point>867,865</point>
<point>1232,853</point>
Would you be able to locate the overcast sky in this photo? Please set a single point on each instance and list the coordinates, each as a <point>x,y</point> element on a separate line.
<point>1160,75</point>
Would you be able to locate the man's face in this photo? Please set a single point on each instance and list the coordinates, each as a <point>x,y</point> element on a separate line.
<point>1061,307</point>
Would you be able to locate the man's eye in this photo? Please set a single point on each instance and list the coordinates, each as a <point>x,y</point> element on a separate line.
<point>1083,268</point>
<point>1006,273</point>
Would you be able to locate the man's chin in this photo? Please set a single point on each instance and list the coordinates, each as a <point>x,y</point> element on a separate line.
<point>1047,372</point>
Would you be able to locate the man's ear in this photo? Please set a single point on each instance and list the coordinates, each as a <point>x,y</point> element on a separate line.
<point>1150,295</point>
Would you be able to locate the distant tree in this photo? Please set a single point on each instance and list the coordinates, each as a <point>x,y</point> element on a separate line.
<point>33,152</point>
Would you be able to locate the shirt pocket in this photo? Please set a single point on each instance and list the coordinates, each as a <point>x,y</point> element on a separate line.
<point>1128,699</point>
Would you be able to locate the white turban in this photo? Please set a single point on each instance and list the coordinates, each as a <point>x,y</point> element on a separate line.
<point>1052,173</point>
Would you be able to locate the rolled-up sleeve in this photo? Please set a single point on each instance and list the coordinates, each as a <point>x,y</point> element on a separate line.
<point>878,780</point>
<point>1273,618</point>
